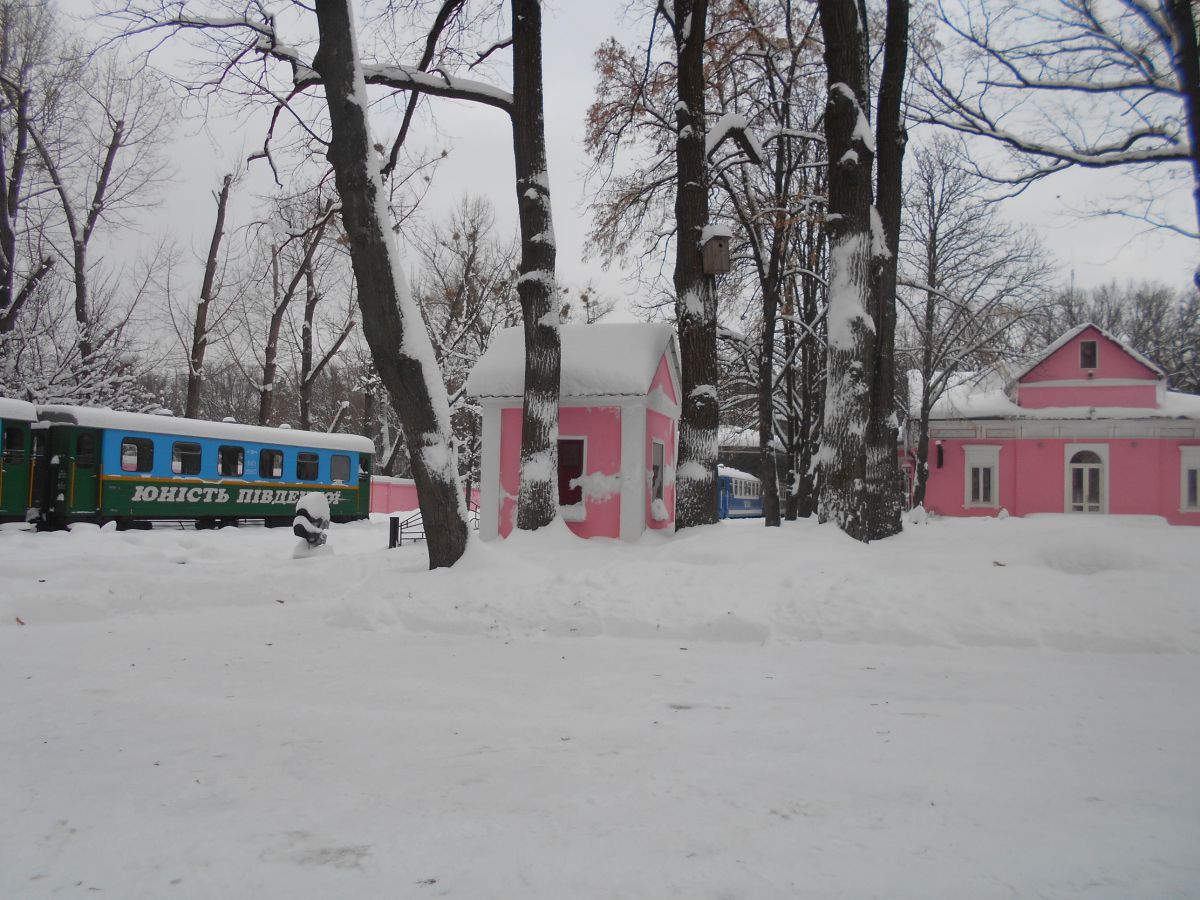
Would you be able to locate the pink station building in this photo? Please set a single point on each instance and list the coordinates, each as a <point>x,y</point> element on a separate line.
<point>1088,428</point>
<point>619,407</point>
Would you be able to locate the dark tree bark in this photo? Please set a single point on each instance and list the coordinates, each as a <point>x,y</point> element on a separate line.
<point>537,504</point>
<point>884,490</point>
<point>391,323</point>
<point>1186,62</point>
<point>695,295</point>
<point>851,332</point>
<point>195,379</point>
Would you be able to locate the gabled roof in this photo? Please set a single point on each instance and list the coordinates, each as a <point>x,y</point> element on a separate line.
<point>1074,333</point>
<point>604,360</point>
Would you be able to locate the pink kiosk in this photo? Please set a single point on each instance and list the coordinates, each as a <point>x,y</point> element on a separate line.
<point>619,406</point>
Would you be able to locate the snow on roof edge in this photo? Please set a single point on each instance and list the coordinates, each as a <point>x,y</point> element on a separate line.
<point>11,408</point>
<point>1070,335</point>
<point>98,417</point>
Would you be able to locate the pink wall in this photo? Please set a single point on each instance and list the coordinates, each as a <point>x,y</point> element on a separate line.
<point>1143,477</point>
<point>1111,360</point>
<point>390,495</point>
<point>660,428</point>
<point>601,427</point>
<point>1142,396</point>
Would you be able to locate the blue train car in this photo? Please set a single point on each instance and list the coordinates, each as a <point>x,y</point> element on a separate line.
<point>739,495</point>
<point>102,466</point>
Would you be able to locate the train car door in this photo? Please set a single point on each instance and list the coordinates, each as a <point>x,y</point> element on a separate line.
<point>14,469</point>
<point>83,481</point>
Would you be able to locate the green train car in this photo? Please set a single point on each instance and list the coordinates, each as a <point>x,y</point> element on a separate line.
<point>19,498</point>
<point>97,465</point>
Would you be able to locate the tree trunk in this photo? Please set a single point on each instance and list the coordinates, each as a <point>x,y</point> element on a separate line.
<point>392,324</point>
<point>884,495</point>
<point>200,325</point>
<point>537,503</point>
<point>266,393</point>
<point>695,295</point>
<point>851,332</point>
<point>1187,68</point>
<point>307,377</point>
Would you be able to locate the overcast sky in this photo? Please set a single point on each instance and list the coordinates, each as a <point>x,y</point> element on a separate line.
<point>480,162</point>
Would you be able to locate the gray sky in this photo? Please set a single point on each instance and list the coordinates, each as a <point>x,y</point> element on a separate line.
<point>480,162</point>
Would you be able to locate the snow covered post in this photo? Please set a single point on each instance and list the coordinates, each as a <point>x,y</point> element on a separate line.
<point>311,523</point>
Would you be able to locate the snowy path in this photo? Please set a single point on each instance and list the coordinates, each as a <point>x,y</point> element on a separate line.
<point>165,740</point>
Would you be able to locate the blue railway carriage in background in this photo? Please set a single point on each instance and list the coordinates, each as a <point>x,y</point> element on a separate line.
<point>739,495</point>
<point>97,465</point>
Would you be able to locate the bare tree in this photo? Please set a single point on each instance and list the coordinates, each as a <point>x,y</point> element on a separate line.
<point>467,290</point>
<point>1063,84</point>
<point>201,327</point>
<point>971,283</point>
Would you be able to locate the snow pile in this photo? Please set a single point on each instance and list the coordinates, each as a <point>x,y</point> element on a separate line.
<point>606,359</point>
<point>976,708</point>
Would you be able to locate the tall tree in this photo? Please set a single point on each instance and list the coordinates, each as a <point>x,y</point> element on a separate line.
<point>200,319</point>
<point>695,296</point>
<point>852,334</point>
<point>537,504</point>
<point>971,284</point>
<point>391,321</point>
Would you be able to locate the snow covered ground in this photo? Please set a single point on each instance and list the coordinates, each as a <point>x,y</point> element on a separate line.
<point>975,709</point>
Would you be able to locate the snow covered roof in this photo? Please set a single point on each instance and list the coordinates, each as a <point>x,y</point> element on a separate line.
<point>966,402</point>
<point>17,409</point>
<point>256,434</point>
<point>1074,333</point>
<point>730,472</point>
<point>606,359</point>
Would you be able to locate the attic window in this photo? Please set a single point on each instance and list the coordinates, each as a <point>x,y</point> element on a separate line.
<point>1087,354</point>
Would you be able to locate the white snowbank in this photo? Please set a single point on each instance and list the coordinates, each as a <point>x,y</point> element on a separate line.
<point>976,708</point>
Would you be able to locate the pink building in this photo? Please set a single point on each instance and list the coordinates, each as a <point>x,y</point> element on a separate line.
<point>1087,427</point>
<point>618,423</point>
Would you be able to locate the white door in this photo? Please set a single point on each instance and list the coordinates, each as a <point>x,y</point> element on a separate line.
<point>1085,482</point>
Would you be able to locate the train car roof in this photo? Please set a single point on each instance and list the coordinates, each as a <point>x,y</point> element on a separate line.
<point>90,417</point>
<point>17,409</point>
<point>730,472</point>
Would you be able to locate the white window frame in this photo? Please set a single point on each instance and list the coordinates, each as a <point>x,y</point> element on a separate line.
<point>1189,460</point>
<point>1101,450</point>
<point>1089,368</point>
<point>576,512</point>
<point>981,456</point>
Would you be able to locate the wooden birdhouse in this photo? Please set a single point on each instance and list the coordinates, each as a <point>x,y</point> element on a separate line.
<point>714,248</point>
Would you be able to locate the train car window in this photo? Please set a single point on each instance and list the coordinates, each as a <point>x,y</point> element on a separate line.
<point>137,454</point>
<point>85,451</point>
<point>14,445</point>
<point>231,461</point>
<point>270,464</point>
<point>339,469</point>
<point>185,458</point>
<point>364,466</point>
<point>307,466</point>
